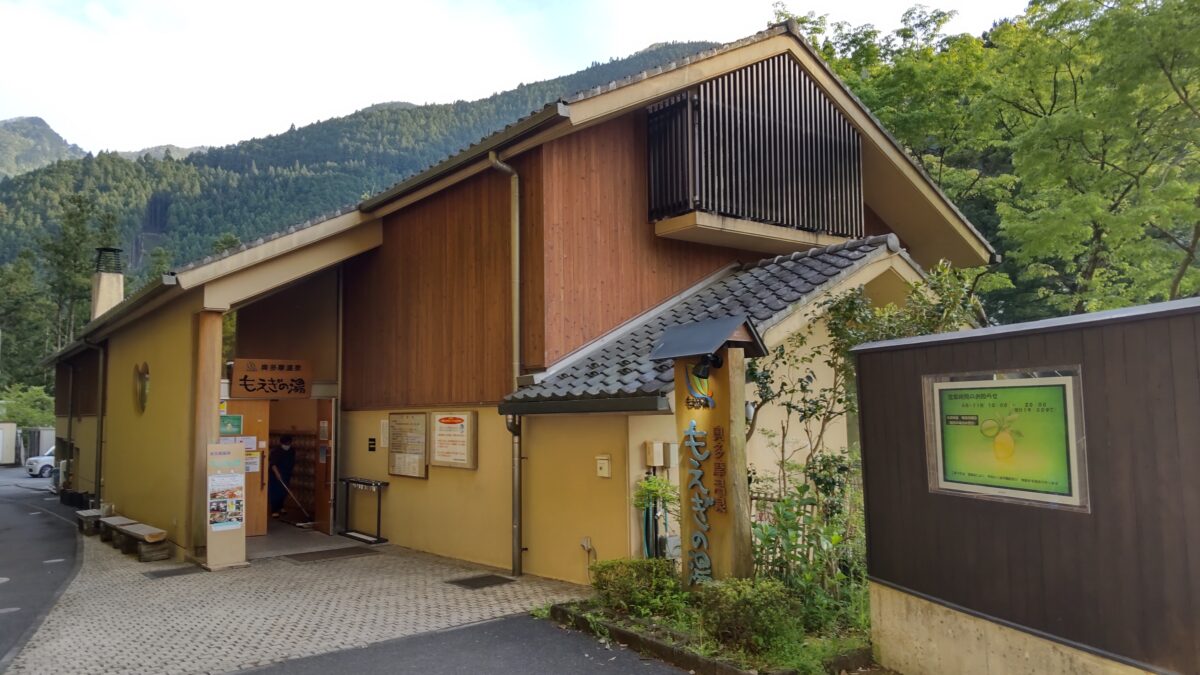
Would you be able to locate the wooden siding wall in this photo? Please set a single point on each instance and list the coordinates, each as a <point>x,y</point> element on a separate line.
<point>604,264</point>
<point>1123,579</point>
<point>86,385</point>
<point>762,143</point>
<point>427,313</point>
<point>298,322</point>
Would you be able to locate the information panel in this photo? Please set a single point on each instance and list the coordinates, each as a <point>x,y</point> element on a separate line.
<point>454,440</point>
<point>1006,435</point>
<point>408,450</point>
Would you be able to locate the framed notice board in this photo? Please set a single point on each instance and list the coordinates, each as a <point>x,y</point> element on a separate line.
<point>408,445</point>
<point>454,440</point>
<point>1013,436</point>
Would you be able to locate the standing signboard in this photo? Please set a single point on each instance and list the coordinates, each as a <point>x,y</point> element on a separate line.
<point>225,505</point>
<point>1011,436</point>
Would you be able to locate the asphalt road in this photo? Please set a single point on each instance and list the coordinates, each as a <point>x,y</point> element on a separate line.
<point>516,644</point>
<point>38,556</point>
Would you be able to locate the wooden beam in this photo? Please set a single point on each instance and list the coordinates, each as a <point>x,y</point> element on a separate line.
<point>205,421</point>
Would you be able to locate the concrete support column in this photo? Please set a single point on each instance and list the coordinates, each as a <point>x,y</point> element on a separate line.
<point>205,420</point>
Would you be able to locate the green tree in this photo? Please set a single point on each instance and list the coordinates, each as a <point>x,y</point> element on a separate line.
<point>26,316</point>
<point>68,261</point>
<point>27,406</point>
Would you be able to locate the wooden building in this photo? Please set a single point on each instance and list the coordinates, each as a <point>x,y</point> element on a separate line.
<point>520,284</point>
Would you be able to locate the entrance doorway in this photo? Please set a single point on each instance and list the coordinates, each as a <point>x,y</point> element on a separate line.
<point>289,487</point>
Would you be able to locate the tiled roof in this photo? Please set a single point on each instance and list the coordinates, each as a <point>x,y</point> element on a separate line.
<point>765,292</point>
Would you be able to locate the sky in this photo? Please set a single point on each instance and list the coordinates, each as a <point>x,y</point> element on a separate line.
<point>131,74</point>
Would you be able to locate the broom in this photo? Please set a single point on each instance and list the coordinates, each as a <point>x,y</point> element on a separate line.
<point>279,477</point>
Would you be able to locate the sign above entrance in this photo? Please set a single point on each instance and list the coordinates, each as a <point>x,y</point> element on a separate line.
<point>270,378</point>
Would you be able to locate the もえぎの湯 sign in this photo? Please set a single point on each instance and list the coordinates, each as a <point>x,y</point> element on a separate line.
<point>1007,436</point>
<point>270,378</point>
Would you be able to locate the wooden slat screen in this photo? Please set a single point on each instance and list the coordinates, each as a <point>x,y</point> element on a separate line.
<point>762,143</point>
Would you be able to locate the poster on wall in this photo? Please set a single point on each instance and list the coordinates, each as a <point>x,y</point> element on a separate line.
<point>407,444</point>
<point>1012,436</point>
<point>231,425</point>
<point>454,440</point>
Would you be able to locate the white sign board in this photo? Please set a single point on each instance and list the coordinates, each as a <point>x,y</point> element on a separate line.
<point>454,443</point>
<point>407,443</point>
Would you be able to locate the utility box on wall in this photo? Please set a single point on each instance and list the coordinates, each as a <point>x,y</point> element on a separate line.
<point>660,454</point>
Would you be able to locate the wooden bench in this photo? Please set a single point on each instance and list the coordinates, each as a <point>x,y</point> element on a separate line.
<point>108,526</point>
<point>89,521</point>
<point>150,543</point>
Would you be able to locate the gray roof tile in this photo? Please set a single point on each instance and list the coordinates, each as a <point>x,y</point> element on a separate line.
<point>765,291</point>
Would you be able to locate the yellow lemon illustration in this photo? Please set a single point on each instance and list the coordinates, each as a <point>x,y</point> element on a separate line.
<point>989,428</point>
<point>1003,445</point>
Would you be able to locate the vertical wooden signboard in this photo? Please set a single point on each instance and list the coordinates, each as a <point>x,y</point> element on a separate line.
<point>225,506</point>
<point>714,494</point>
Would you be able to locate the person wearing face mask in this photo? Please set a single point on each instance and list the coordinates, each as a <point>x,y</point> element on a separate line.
<point>283,459</point>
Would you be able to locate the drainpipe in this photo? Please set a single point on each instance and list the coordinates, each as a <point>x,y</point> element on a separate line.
<point>101,406</point>
<point>513,422</point>
<point>70,424</point>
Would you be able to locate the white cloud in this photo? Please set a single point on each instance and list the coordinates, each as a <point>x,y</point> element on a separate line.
<point>127,74</point>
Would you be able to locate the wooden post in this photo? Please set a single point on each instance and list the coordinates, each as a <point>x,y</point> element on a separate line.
<point>714,489</point>
<point>205,421</point>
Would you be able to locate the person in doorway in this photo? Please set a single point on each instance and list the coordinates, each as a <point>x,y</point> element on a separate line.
<point>283,459</point>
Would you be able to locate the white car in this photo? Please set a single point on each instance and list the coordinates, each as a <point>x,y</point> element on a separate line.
<point>41,465</point>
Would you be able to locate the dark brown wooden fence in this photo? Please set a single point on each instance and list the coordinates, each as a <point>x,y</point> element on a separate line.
<point>1122,580</point>
<point>762,143</point>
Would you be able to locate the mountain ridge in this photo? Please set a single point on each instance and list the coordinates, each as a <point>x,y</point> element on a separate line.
<point>251,188</point>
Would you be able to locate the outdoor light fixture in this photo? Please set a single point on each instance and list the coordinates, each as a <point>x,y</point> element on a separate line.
<point>707,361</point>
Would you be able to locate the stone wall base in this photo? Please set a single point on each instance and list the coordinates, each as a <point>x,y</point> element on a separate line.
<point>915,636</point>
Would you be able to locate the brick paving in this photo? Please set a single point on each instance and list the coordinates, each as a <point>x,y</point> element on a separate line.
<point>113,619</point>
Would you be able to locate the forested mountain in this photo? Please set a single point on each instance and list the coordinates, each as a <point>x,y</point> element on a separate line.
<point>161,151</point>
<point>182,205</point>
<point>28,143</point>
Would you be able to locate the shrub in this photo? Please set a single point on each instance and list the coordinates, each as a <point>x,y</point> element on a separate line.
<point>641,588</point>
<point>746,614</point>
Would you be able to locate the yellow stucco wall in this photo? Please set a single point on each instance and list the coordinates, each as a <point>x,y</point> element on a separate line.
<point>84,431</point>
<point>566,501</point>
<point>458,513</point>
<point>146,454</point>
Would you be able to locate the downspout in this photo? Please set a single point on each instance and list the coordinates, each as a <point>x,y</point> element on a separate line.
<point>513,422</point>
<point>100,410</point>
<point>70,424</point>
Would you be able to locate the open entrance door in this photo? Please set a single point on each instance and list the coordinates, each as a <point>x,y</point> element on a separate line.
<point>252,430</point>
<point>303,474</point>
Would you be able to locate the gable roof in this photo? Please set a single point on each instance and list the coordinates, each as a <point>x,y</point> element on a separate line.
<point>907,194</point>
<point>618,375</point>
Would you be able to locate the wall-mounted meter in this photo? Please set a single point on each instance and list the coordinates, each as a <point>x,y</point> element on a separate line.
<point>604,466</point>
<point>660,454</point>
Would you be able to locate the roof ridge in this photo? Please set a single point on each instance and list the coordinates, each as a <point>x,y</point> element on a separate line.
<point>890,240</point>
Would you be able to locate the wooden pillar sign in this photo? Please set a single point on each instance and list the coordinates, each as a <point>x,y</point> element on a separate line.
<point>714,490</point>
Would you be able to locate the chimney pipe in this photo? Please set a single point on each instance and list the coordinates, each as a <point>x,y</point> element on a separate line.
<point>108,281</point>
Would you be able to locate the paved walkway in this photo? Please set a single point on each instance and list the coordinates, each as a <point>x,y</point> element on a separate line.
<point>114,619</point>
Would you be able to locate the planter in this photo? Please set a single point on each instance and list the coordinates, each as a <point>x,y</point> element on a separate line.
<point>573,617</point>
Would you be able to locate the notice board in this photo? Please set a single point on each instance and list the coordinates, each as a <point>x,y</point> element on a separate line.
<point>408,445</point>
<point>454,442</point>
<point>1010,436</point>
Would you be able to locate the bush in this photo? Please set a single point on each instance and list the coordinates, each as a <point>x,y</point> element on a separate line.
<point>642,588</point>
<point>746,614</point>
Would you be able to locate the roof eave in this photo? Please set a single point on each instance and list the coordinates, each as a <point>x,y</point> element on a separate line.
<point>654,403</point>
<point>552,113</point>
<point>96,327</point>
